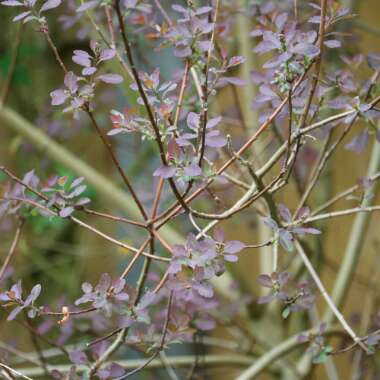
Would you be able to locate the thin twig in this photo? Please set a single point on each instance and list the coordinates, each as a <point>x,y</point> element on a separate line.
<point>45,30</point>
<point>334,214</point>
<point>14,371</point>
<point>326,296</point>
<point>117,164</point>
<point>12,249</point>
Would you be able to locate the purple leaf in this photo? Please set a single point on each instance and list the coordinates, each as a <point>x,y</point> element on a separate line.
<point>333,44</point>
<point>36,291</point>
<point>285,239</point>
<point>57,375</point>
<point>116,370</point>
<point>78,357</point>
<point>165,172</point>
<point>283,278</point>
<point>213,122</point>
<point>12,3</point>
<point>193,120</point>
<point>179,8</point>
<point>66,212</point>
<point>4,297</point>
<point>373,339</point>
<point>234,81</point>
<point>205,324</point>
<point>115,131</point>
<point>76,182</point>
<point>219,235</point>
<point>132,4</point>
<point>264,47</point>
<point>122,296</point>
<point>277,60</point>
<point>107,54</point>
<point>284,212</point>
<point>304,212</point>
<point>50,4</point>
<point>204,289</point>
<point>76,192</point>
<point>12,315</point>
<point>118,284</point>
<point>271,41</point>
<point>213,140</point>
<point>182,51</point>
<point>205,45</point>
<point>306,230</point>
<point>270,223</point>
<point>234,246</point>
<point>104,283</point>
<point>231,258</point>
<point>184,140</point>
<point>339,103</point>
<point>71,81</point>
<point>89,71</point>
<point>58,97</point>
<point>21,16</point>
<point>373,61</point>
<point>193,170</point>
<point>33,295</point>
<point>111,78</point>
<point>358,143</point>
<point>237,60</point>
<point>268,92</point>
<point>103,374</point>
<point>256,33</point>
<point>82,58</point>
<point>87,287</point>
<point>87,6</point>
<point>173,148</point>
<point>305,49</point>
<point>203,10</point>
<point>148,299</point>
<point>77,102</point>
<point>30,178</point>
<point>315,19</point>
<point>265,280</point>
<point>16,290</point>
<point>281,21</point>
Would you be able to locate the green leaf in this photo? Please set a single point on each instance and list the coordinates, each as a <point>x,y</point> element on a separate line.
<point>286,312</point>
<point>320,358</point>
<point>328,349</point>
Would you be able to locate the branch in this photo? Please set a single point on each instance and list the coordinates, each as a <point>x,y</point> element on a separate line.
<point>58,153</point>
<point>88,227</point>
<point>333,308</point>
<point>356,240</point>
<point>179,361</point>
<point>335,214</point>
<point>12,250</point>
<point>341,195</point>
<point>2,365</point>
<point>116,162</point>
<point>275,353</point>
